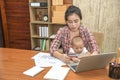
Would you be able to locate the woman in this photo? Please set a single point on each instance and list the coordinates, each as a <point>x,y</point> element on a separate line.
<point>73,28</point>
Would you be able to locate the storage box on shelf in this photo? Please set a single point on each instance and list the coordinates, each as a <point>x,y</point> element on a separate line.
<point>57,2</point>
<point>58,10</point>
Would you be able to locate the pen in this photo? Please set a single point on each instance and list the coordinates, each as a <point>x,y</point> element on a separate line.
<point>73,55</point>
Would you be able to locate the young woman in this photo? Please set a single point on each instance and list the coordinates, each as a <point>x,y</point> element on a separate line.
<point>73,28</point>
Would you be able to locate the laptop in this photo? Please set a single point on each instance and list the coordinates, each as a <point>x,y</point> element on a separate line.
<point>92,62</point>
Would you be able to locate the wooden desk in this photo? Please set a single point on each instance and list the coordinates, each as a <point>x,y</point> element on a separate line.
<point>13,62</point>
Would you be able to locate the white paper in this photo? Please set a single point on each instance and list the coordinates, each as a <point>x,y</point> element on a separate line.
<point>33,71</point>
<point>46,60</point>
<point>57,73</point>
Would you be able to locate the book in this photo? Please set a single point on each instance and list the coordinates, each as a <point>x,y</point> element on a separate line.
<point>47,45</point>
<point>40,31</point>
<point>44,44</point>
<point>41,43</point>
<point>57,73</point>
<point>33,71</point>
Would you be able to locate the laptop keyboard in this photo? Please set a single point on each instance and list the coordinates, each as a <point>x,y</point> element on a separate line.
<point>74,67</point>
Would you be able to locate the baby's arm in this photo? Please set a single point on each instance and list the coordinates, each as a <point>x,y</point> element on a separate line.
<point>75,59</point>
<point>86,54</point>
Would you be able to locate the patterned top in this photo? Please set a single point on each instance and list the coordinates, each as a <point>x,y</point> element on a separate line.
<point>63,39</point>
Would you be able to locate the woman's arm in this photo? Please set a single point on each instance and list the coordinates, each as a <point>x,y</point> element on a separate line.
<point>61,56</point>
<point>55,45</point>
<point>54,49</point>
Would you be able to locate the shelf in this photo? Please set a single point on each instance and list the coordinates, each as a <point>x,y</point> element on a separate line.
<point>40,28</point>
<point>58,23</point>
<point>39,7</point>
<point>36,36</point>
<point>42,22</point>
<point>39,22</point>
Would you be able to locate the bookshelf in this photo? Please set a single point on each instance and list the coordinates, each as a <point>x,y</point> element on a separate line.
<point>46,17</point>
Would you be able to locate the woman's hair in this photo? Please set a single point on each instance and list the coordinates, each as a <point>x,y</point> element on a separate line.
<point>73,9</point>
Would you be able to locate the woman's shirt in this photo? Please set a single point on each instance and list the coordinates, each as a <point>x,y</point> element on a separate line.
<point>62,39</point>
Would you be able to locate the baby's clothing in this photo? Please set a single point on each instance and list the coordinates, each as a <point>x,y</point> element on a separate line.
<point>84,51</point>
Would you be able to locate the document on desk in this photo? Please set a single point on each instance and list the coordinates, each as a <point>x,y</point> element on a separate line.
<point>46,60</point>
<point>33,71</point>
<point>57,73</point>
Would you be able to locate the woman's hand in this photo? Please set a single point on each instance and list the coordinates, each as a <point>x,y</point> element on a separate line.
<point>62,56</point>
<point>66,58</point>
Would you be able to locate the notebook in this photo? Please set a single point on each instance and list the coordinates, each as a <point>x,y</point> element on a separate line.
<point>33,71</point>
<point>57,73</point>
<point>92,62</point>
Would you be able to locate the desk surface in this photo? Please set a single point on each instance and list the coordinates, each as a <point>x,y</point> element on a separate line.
<point>13,62</point>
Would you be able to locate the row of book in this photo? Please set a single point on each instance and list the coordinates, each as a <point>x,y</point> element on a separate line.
<point>43,31</point>
<point>44,44</point>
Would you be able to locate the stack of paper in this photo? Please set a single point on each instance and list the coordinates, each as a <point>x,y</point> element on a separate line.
<point>33,71</point>
<point>46,60</point>
<point>57,73</point>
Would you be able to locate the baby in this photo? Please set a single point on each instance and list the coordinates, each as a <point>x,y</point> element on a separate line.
<point>77,49</point>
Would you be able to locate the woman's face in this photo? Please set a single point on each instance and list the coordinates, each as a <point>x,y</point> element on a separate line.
<point>73,22</point>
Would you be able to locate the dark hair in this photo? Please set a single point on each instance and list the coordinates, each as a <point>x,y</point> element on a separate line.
<point>73,9</point>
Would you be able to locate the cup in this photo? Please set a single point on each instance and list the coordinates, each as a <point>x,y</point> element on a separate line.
<point>114,70</point>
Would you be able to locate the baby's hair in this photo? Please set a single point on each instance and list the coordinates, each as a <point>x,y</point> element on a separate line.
<point>76,39</point>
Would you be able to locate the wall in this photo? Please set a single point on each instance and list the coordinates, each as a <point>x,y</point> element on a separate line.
<point>17,22</point>
<point>102,16</point>
<point>98,15</point>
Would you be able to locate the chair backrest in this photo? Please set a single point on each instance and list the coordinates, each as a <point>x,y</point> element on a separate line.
<point>119,53</point>
<point>99,37</point>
